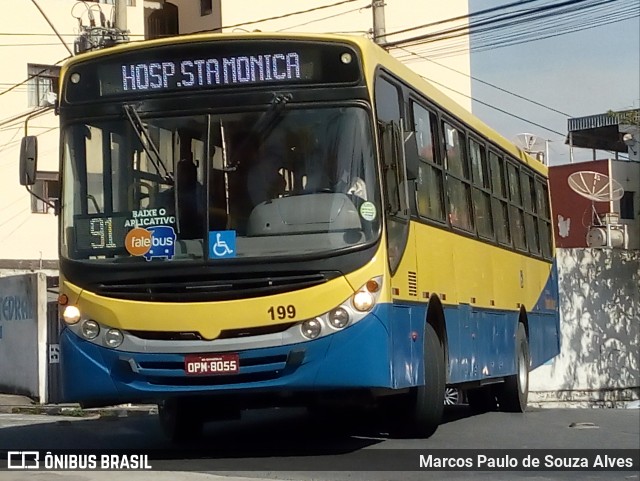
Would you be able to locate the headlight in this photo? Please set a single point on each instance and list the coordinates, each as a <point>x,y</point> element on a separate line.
<point>339,318</point>
<point>90,329</point>
<point>363,301</point>
<point>311,328</point>
<point>113,338</point>
<point>352,310</point>
<point>71,314</point>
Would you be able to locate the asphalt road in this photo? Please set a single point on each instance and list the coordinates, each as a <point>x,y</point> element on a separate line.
<point>287,444</point>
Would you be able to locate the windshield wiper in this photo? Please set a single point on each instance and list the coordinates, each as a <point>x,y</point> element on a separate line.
<point>266,123</point>
<point>145,139</point>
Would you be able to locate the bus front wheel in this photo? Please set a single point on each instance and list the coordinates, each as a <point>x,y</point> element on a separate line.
<point>179,421</point>
<point>513,394</point>
<point>419,412</point>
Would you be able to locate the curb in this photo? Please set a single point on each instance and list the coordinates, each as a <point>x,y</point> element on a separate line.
<point>78,412</point>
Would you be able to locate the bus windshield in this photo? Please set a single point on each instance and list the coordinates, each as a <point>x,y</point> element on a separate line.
<point>278,182</point>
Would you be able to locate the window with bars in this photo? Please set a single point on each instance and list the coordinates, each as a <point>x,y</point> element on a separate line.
<point>206,7</point>
<point>43,81</point>
<point>47,188</point>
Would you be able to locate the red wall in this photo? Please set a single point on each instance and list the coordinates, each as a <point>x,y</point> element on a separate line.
<point>574,210</point>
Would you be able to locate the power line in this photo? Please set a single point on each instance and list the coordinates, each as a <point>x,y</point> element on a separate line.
<point>469,28</point>
<point>324,18</point>
<point>278,17</point>
<point>488,83</point>
<point>493,107</point>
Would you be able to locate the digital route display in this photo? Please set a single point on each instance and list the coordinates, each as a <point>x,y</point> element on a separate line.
<point>211,65</point>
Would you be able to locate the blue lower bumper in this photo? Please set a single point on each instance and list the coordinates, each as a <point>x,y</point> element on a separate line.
<point>357,357</point>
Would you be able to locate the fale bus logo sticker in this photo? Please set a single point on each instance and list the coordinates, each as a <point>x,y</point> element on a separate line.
<point>157,242</point>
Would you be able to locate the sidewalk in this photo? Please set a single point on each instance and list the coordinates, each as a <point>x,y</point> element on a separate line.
<point>16,404</point>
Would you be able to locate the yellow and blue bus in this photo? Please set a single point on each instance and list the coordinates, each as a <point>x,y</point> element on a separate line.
<point>252,220</point>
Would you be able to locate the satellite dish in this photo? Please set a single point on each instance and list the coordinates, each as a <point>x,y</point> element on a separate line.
<point>604,230</point>
<point>595,186</point>
<point>532,144</point>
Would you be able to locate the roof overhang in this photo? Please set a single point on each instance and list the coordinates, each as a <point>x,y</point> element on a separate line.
<point>601,131</point>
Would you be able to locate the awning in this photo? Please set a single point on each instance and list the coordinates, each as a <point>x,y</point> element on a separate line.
<point>601,132</point>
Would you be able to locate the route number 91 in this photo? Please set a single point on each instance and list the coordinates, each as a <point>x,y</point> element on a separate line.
<point>282,312</point>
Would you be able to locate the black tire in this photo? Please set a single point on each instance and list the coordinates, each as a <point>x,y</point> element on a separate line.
<point>419,413</point>
<point>514,393</point>
<point>179,421</point>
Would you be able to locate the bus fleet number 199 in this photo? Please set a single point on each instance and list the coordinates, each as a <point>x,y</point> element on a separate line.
<point>282,312</point>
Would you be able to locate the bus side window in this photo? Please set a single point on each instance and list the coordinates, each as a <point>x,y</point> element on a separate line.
<point>499,199</point>
<point>530,207</point>
<point>458,179</point>
<point>430,188</point>
<point>516,213</point>
<point>481,189</point>
<point>544,218</point>
<point>387,100</point>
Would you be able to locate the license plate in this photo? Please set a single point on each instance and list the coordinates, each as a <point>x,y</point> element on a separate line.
<point>211,364</point>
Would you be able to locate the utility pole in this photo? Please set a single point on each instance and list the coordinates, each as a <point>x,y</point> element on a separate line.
<point>121,15</point>
<point>378,21</point>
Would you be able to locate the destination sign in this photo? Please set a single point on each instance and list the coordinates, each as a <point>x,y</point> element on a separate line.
<point>207,72</point>
<point>211,65</point>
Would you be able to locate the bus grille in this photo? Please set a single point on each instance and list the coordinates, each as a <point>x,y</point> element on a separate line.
<point>190,289</point>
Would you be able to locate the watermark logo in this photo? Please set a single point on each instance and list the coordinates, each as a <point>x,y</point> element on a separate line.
<point>23,460</point>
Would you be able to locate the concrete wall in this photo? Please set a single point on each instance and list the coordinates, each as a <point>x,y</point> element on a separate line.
<point>23,329</point>
<point>599,314</point>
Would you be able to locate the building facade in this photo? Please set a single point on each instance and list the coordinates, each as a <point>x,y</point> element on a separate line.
<point>34,45</point>
<point>36,41</point>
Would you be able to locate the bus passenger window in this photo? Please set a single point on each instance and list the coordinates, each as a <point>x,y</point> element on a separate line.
<point>515,209</point>
<point>430,189</point>
<point>481,192</point>
<point>499,199</point>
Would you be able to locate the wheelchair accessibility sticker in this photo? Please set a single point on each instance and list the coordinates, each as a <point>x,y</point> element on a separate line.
<point>222,244</point>
<point>152,243</point>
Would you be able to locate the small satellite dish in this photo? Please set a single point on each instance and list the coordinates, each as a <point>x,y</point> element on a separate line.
<point>595,186</point>
<point>532,145</point>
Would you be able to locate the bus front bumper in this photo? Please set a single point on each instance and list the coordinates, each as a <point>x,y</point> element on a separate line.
<point>357,357</point>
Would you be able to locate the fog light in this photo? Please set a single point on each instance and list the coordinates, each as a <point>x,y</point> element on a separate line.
<point>71,314</point>
<point>363,301</point>
<point>113,338</point>
<point>339,318</point>
<point>90,329</point>
<point>311,328</point>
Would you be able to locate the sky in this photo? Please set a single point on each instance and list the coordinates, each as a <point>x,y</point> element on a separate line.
<point>583,73</point>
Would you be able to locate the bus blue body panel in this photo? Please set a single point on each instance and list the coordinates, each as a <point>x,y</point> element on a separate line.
<point>355,357</point>
<point>383,350</point>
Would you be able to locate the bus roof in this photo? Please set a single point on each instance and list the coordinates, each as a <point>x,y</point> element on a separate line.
<point>373,56</point>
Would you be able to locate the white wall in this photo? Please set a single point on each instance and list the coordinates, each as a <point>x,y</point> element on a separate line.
<point>23,344</point>
<point>600,330</point>
<point>28,38</point>
<point>628,175</point>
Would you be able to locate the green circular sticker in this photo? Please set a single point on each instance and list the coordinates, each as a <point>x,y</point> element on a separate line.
<point>368,211</point>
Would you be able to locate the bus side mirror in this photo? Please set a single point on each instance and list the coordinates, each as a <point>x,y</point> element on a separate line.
<point>28,160</point>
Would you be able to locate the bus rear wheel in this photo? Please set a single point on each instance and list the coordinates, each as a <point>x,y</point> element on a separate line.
<point>513,394</point>
<point>179,421</point>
